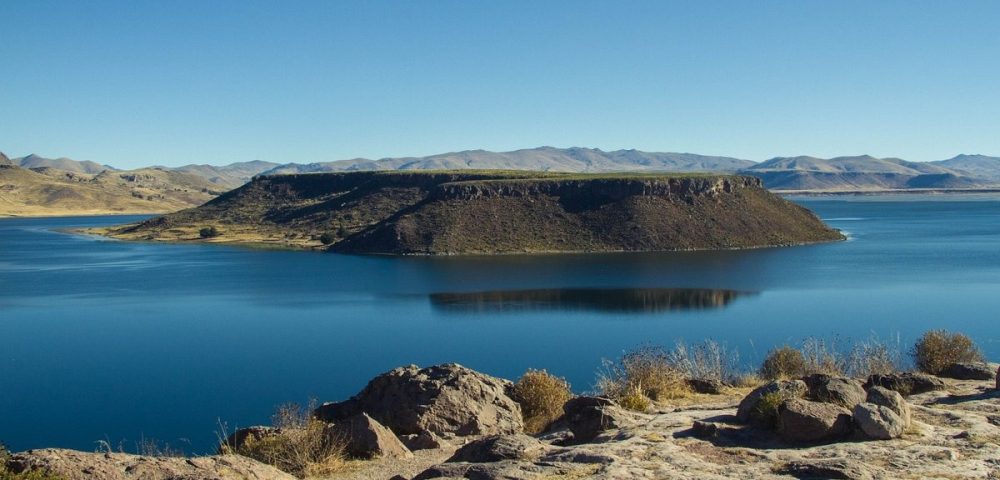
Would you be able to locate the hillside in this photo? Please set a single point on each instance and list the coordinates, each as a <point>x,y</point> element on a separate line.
<point>227,176</point>
<point>536,159</point>
<point>50,191</point>
<point>980,166</point>
<point>65,164</point>
<point>491,212</point>
<point>860,173</point>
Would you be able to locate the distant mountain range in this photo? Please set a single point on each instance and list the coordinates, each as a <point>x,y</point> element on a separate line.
<point>35,183</point>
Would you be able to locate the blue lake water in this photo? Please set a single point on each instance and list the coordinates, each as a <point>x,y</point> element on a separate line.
<point>116,341</point>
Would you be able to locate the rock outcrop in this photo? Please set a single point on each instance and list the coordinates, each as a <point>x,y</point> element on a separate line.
<point>75,465</point>
<point>878,422</point>
<point>806,421</point>
<point>588,417</point>
<point>776,392</point>
<point>891,400</point>
<point>445,399</point>
<point>968,371</point>
<point>842,391</point>
<point>366,438</point>
<point>500,447</point>
<point>906,383</point>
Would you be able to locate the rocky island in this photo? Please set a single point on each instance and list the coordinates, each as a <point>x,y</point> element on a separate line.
<point>492,212</point>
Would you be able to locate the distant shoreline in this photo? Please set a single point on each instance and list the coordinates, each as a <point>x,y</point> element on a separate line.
<point>898,191</point>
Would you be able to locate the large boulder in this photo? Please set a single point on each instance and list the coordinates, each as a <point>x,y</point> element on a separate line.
<point>833,468</point>
<point>842,391</point>
<point>75,465</point>
<point>968,371</point>
<point>906,383</point>
<point>752,407</point>
<point>891,400</point>
<point>500,447</point>
<point>805,421</point>
<point>364,437</point>
<point>707,386</point>
<point>444,399</point>
<point>878,422</point>
<point>588,417</point>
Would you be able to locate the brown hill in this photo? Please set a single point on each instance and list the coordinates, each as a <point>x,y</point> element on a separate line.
<point>490,212</point>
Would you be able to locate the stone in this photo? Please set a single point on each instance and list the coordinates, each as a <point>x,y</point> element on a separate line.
<point>834,468</point>
<point>998,379</point>
<point>806,421</point>
<point>968,371</point>
<point>706,386</point>
<point>748,411</point>
<point>443,399</point>
<point>238,439</point>
<point>588,417</point>
<point>366,438</point>
<point>906,383</point>
<point>502,470</point>
<point>499,447</point>
<point>891,400</point>
<point>422,441</point>
<point>702,429</point>
<point>842,391</point>
<point>76,465</point>
<point>878,422</point>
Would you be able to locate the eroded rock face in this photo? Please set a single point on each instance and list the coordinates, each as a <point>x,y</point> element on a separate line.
<point>968,371</point>
<point>500,447</point>
<point>366,438</point>
<point>891,400</point>
<point>749,409</point>
<point>805,421</point>
<point>842,391</point>
<point>443,399</point>
<point>906,383</point>
<point>588,417</point>
<point>75,465</point>
<point>878,422</point>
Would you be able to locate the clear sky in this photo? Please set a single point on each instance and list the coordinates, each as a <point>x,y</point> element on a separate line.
<point>134,83</point>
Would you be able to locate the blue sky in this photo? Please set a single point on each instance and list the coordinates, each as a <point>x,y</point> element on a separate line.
<point>136,83</point>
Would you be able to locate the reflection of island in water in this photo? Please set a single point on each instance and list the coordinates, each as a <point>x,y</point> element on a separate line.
<point>648,300</point>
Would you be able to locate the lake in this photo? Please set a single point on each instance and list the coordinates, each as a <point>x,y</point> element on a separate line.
<point>114,341</point>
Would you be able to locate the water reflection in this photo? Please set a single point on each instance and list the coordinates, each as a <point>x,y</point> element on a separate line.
<point>630,300</point>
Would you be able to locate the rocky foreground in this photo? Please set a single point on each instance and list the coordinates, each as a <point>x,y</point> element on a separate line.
<point>450,422</point>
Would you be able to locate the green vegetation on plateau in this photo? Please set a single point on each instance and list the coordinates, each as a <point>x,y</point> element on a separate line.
<point>490,212</point>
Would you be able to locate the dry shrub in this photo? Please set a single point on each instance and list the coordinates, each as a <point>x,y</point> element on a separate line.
<point>541,396</point>
<point>937,349</point>
<point>300,445</point>
<point>783,363</point>
<point>708,360</point>
<point>822,357</point>
<point>634,399</point>
<point>873,356</point>
<point>646,370</point>
<point>747,380</point>
<point>766,410</point>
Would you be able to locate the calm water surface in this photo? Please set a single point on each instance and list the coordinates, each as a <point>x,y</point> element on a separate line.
<point>115,341</point>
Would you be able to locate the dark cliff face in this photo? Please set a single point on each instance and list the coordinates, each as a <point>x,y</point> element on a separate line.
<point>510,212</point>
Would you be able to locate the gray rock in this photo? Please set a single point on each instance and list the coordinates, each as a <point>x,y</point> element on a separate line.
<point>75,465</point>
<point>502,470</point>
<point>443,399</point>
<point>702,429</point>
<point>588,417</point>
<point>878,422</point>
<point>238,439</point>
<point>906,383</point>
<point>968,371</point>
<point>891,400</point>
<point>805,421</point>
<point>499,447</point>
<point>706,386</point>
<point>749,411</point>
<point>842,391</point>
<point>366,438</point>
<point>422,441</point>
<point>834,468</point>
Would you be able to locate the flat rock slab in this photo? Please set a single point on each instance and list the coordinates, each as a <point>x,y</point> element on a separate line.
<point>76,465</point>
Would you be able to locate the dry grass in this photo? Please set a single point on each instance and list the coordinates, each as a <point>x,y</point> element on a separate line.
<point>541,396</point>
<point>937,349</point>
<point>766,410</point>
<point>646,371</point>
<point>782,363</point>
<point>30,475</point>
<point>874,356</point>
<point>822,356</point>
<point>300,445</point>
<point>708,360</point>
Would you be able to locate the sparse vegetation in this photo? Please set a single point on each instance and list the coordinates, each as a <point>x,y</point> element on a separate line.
<point>822,356</point>
<point>300,445</point>
<point>873,356</point>
<point>541,396</point>
<point>646,371</point>
<point>327,238</point>
<point>708,360</point>
<point>937,349</point>
<point>766,410</point>
<point>6,474</point>
<point>783,362</point>
<point>208,232</point>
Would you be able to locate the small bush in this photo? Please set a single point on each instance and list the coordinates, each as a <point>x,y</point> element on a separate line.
<point>782,363</point>
<point>327,238</point>
<point>708,360</point>
<point>871,357</point>
<point>300,445</point>
<point>541,396</point>
<point>937,349</point>
<point>634,399</point>
<point>822,357</point>
<point>766,410</point>
<point>646,370</point>
<point>208,232</point>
